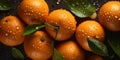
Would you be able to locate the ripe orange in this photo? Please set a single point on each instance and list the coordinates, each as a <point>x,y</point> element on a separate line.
<point>11,29</point>
<point>64,20</point>
<point>87,29</point>
<point>38,46</point>
<point>95,57</point>
<point>109,15</point>
<point>70,51</point>
<point>33,11</point>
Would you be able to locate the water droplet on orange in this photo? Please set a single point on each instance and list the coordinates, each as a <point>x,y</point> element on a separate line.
<point>97,37</point>
<point>18,28</point>
<point>6,34</point>
<point>116,16</point>
<point>119,19</point>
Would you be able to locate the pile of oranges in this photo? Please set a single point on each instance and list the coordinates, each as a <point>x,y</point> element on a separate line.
<point>61,25</point>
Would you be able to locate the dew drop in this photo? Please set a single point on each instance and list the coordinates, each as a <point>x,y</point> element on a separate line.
<point>6,34</point>
<point>82,30</point>
<point>25,11</point>
<point>37,28</point>
<point>107,20</point>
<point>39,13</point>
<point>38,47</point>
<point>32,11</point>
<point>116,16</point>
<point>109,16</point>
<point>42,14</point>
<point>3,22</point>
<point>88,36</point>
<point>10,31</point>
<point>13,33</point>
<point>97,37</point>
<point>57,2</point>
<point>33,45</point>
<point>85,33</point>
<point>8,26</point>
<point>68,27</point>
<point>17,28</point>
<point>28,13</point>
<point>56,23</point>
<point>71,48</point>
<point>119,19</point>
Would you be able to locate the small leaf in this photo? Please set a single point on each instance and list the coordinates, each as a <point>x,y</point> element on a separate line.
<point>32,29</point>
<point>57,55</point>
<point>97,47</point>
<point>113,39</point>
<point>5,5</point>
<point>115,45</point>
<point>17,54</point>
<point>81,8</point>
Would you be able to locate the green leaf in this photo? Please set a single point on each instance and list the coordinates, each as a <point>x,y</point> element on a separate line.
<point>5,5</point>
<point>97,47</point>
<point>32,29</point>
<point>81,8</point>
<point>114,41</point>
<point>57,55</point>
<point>17,54</point>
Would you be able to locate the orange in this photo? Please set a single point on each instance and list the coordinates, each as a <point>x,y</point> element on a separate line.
<point>70,50</point>
<point>89,28</point>
<point>109,15</point>
<point>33,11</point>
<point>11,29</point>
<point>38,46</point>
<point>64,20</point>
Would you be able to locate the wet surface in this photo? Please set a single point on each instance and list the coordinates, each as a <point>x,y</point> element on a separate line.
<point>5,51</point>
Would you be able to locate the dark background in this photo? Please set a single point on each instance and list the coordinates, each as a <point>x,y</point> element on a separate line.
<point>5,51</point>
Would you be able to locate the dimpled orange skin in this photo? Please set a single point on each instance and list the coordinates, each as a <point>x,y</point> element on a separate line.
<point>109,15</point>
<point>95,57</point>
<point>66,22</point>
<point>33,11</point>
<point>11,29</point>
<point>70,50</point>
<point>38,46</point>
<point>89,28</point>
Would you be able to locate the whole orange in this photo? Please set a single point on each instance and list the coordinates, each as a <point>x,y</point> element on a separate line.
<point>11,30</point>
<point>33,11</point>
<point>38,46</point>
<point>109,15</point>
<point>65,22</point>
<point>89,28</point>
<point>70,50</point>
